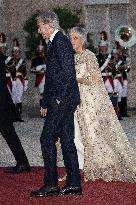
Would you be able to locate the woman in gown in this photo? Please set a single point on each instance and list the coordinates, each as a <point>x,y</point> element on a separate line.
<point>108,154</point>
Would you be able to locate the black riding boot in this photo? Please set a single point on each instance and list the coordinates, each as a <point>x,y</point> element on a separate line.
<point>19,112</point>
<point>119,112</point>
<point>124,107</point>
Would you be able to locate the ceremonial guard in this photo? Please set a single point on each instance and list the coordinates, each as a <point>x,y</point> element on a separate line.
<point>38,67</point>
<point>122,70</point>
<point>125,72</point>
<point>118,79</point>
<point>16,66</point>
<point>105,61</point>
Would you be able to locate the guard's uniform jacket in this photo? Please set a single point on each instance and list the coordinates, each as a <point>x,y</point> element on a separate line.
<point>38,67</point>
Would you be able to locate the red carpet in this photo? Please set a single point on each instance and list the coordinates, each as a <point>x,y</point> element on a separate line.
<point>15,190</point>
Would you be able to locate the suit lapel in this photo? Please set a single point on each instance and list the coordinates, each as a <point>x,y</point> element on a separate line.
<point>50,50</point>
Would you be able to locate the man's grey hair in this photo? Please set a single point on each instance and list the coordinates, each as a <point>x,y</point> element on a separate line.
<point>81,32</point>
<point>49,17</point>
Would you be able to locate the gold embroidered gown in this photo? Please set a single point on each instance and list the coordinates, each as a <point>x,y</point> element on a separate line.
<point>108,154</point>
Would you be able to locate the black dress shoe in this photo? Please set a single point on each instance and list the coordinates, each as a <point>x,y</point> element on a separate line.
<point>72,190</point>
<point>46,191</point>
<point>19,169</point>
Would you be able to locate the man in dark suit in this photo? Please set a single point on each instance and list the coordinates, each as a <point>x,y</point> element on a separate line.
<point>7,116</point>
<point>60,99</point>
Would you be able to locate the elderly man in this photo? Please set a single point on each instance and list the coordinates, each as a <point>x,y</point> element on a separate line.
<point>60,99</point>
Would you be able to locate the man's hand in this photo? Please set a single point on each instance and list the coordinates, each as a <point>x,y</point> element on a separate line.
<point>43,112</point>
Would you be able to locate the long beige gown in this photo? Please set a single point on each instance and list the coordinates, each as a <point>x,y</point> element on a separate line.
<point>104,151</point>
<point>108,154</point>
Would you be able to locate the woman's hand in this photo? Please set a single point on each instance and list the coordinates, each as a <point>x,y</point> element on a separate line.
<point>80,80</point>
<point>83,81</point>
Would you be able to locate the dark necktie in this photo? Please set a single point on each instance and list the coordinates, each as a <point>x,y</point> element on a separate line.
<point>48,45</point>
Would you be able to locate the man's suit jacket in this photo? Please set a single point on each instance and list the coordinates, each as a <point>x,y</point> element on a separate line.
<point>60,85</point>
<point>7,109</point>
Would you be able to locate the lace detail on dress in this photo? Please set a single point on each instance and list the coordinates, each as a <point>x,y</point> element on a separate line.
<point>108,153</point>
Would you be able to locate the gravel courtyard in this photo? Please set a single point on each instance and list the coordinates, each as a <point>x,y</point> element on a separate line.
<point>29,132</point>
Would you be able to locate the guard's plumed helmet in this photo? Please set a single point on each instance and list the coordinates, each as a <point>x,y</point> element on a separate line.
<point>2,40</point>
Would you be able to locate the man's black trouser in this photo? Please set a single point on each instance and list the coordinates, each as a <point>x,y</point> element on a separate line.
<point>8,132</point>
<point>59,122</point>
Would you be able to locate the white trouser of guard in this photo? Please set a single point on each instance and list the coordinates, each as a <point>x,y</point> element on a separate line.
<point>17,91</point>
<point>41,85</point>
<point>118,88</point>
<point>125,88</point>
<point>108,86</point>
<point>25,85</point>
